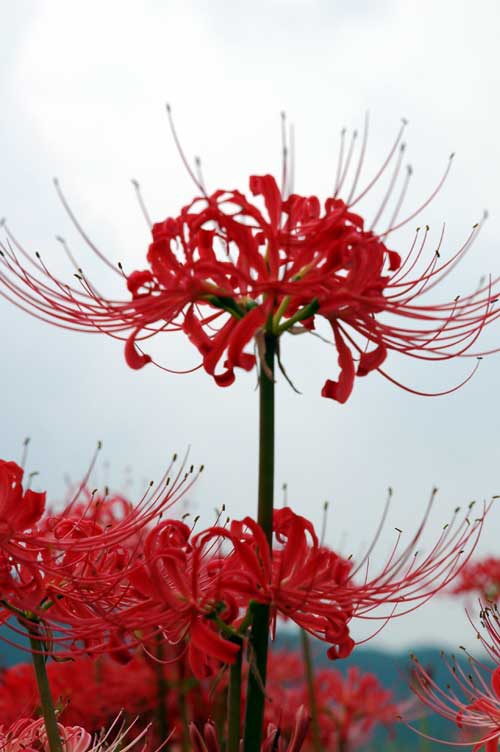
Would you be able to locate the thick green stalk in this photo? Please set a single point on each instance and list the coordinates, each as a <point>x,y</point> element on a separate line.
<point>234,704</point>
<point>313,705</point>
<point>259,636</point>
<point>46,701</point>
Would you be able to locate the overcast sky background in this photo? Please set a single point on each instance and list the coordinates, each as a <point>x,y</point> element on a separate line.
<point>83,88</point>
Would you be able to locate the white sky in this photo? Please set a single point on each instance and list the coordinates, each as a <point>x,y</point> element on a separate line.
<point>83,88</point>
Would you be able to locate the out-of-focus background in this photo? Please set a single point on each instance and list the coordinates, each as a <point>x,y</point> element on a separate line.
<point>83,91</point>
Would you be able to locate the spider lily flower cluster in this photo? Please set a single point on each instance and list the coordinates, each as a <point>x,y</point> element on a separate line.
<point>232,267</point>
<point>102,572</point>
<point>92,692</point>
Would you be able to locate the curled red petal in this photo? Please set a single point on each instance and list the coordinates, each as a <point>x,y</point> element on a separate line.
<point>133,357</point>
<point>340,390</point>
<point>242,333</point>
<point>370,361</point>
<point>266,186</point>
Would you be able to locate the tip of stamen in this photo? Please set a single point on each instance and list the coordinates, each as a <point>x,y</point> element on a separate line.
<point>56,182</point>
<point>2,222</point>
<point>409,169</point>
<point>197,161</point>
<point>452,155</point>
<point>202,467</point>
<point>168,108</point>
<point>99,445</point>
<point>486,214</point>
<point>404,121</point>
<point>37,255</point>
<point>402,147</point>
<point>134,182</point>
<point>174,458</point>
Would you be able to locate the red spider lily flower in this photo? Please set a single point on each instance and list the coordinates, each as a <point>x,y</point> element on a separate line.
<point>480,577</point>
<point>475,705</point>
<point>316,588</point>
<point>182,595</point>
<point>67,570</point>
<point>231,267</point>
<point>26,735</point>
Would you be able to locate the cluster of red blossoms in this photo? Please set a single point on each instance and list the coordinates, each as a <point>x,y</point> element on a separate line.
<point>230,269</point>
<point>103,576</point>
<point>91,693</point>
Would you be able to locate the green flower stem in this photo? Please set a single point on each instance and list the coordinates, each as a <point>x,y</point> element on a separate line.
<point>161,693</point>
<point>234,702</point>
<point>259,636</point>
<point>304,313</point>
<point>42,680</point>
<point>313,706</point>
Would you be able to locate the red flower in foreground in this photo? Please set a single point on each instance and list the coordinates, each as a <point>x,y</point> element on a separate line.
<point>230,268</point>
<point>26,735</point>
<point>474,705</point>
